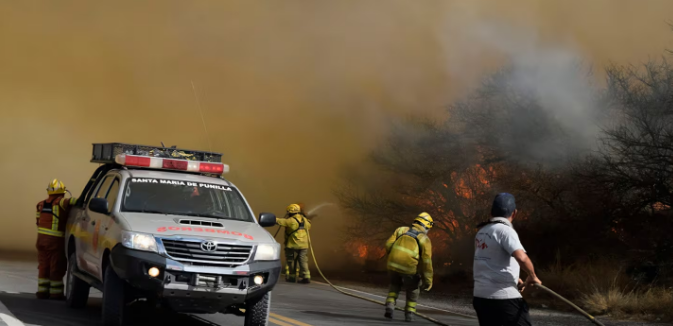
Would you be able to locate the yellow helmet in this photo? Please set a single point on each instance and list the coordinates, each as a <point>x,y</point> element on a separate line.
<point>425,220</point>
<point>293,209</point>
<point>56,187</point>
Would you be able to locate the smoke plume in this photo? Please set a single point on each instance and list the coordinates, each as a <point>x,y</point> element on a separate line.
<point>290,90</point>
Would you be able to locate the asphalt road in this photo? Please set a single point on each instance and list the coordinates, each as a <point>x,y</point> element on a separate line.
<point>292,305</point>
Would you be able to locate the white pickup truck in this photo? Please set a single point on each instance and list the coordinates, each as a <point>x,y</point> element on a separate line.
<point>162,224</point>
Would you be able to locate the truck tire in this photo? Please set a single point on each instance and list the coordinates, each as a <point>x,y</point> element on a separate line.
<point>114,299</point>
<point>76,290</point>
<point>257,311</point>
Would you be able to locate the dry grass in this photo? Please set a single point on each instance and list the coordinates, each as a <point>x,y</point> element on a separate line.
<point>603,288</point>
<point>578,279</point>
<point>653,303</point>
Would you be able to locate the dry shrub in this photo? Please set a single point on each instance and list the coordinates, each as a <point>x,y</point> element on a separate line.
<point>581,278</point>
<point>603,288</point>
<point>648,304</point>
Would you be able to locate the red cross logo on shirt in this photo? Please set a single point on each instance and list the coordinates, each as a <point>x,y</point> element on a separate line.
<point>481,244</point>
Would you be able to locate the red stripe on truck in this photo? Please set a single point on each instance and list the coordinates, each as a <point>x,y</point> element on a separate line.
<point>208,230</point>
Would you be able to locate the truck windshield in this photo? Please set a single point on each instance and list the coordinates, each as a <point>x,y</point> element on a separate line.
<point>175,197</point>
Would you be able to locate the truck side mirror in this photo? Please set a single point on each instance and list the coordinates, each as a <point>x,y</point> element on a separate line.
<point>100,205</point>
<point>267,219</point>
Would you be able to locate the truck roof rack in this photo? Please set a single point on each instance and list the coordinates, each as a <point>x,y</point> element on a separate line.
<point>106,153</point>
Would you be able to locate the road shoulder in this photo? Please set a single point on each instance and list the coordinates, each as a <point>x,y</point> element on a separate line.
<point>7,318</point>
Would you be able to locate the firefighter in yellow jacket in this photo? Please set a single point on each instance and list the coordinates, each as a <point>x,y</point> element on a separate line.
<point>296,243</point>
<point>409,264</point>
<point>52,215</point>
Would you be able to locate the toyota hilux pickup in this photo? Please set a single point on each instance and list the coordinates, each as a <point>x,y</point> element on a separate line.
<point>162,225</point>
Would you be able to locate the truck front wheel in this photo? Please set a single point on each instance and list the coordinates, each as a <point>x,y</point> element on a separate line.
<point>257,311</point>
<point>76,290</point>
<point>115,295</point>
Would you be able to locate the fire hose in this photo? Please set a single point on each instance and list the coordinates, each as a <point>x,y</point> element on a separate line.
<point>539,286</point>
<point>558,296</point>
<point>315,261</point>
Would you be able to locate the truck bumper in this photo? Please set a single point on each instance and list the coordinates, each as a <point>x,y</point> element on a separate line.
<point>193,289</point>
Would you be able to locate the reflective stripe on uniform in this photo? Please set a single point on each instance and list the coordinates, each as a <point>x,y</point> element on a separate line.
<point>411,306</point>
<point>70,201</point>
<point>43,285</point>
<point>56,287</point>
<point>427,260</point>
<point>50,232</point>
<point>56,290</point>
<point>407,269</point>
<point>392,297</point>
<point>405,250</point>
<point>54,218</point>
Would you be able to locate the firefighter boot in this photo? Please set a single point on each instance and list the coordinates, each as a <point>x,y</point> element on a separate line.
<point>58,297</point>
<point>305,281</point>
<point>42,288</point>
<point>42,295</point>
<point>390,308</point>
<point>291,279</point>
<point>409,316</point>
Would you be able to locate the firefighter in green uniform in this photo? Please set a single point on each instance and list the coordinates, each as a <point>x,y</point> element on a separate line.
<point>296,244</point>
<point>409,264</point>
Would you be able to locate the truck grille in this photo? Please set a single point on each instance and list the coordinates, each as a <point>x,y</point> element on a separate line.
<point>202,223</point>
<point>225,254</point>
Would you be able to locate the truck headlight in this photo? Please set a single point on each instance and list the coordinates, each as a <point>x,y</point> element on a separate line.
<point>139,241</point>
<point>268,252</point>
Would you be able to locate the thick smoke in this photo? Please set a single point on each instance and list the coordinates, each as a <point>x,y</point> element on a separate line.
<point>290,90</point>
<point>542,106</point>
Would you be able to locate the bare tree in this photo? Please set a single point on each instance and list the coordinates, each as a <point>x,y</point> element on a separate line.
<point>635,162</point>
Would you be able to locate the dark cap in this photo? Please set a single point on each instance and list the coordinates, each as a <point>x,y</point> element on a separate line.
<point>503,205</point>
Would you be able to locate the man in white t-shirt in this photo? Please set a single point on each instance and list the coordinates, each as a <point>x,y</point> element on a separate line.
<point>498,256</point>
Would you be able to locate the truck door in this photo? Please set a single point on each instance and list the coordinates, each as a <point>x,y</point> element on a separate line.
<point>89,222</point>
<point>101,223</point>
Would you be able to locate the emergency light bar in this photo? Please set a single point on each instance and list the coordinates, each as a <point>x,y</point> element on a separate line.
<point>171,164</point>
<point>106,153</point>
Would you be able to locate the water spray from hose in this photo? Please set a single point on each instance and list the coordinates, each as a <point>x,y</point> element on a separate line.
<point>308,213</point>
<point>318,207</point>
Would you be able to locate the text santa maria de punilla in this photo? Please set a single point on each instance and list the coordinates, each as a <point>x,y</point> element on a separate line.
<point>181,183</point>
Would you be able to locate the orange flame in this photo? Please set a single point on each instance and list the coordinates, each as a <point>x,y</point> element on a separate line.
<point>469,185</point>
<point>362,251</point>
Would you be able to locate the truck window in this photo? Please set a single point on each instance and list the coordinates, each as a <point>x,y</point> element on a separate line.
<point>112,194</point>
<point>104,187</point>
<point>175,197</point>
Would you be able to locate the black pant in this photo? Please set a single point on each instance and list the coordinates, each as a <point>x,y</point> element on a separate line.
<point>507,312</point>
<point>411,284</point>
